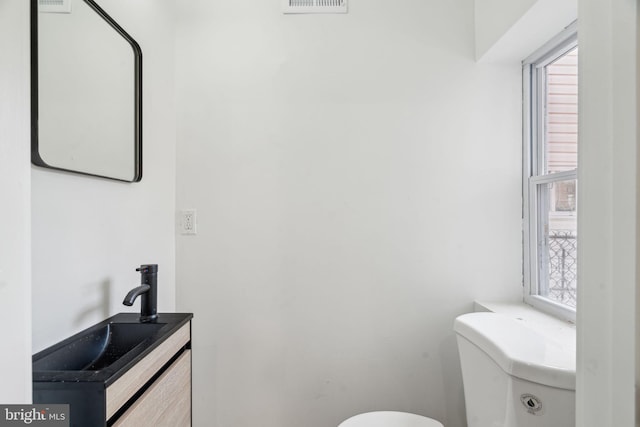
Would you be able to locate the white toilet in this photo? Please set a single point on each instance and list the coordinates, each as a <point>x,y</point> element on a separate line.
<point>515,373</point>
<point>389,419</point>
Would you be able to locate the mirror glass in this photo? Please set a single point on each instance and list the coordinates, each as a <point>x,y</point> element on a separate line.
<point>86,91</point>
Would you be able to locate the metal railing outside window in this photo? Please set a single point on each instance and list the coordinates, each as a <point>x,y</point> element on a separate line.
<point>563,267</point>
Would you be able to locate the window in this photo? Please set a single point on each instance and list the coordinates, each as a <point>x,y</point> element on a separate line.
<point>550,165</point>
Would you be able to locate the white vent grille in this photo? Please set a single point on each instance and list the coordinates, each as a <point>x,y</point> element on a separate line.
<point>54,6</point>
<point>314,6</point>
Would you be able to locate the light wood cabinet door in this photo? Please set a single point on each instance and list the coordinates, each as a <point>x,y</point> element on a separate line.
<point>167,403</point>
<point>128,385</point>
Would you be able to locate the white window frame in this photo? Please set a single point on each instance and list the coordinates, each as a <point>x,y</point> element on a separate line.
<point>532,161</point>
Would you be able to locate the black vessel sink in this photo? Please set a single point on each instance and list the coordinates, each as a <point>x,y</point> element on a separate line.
<point>104,351</point>
<point>98,348</point>
<point>79,370</point>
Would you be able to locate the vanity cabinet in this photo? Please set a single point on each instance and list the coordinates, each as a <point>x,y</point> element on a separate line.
<point>147,386</point>
<point>167,402</point>
<point>164,401</point>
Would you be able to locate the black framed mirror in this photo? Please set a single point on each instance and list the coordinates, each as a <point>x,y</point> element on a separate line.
<point>86,91</point>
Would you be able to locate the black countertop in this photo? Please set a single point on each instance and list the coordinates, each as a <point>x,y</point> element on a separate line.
<point>171,323</point>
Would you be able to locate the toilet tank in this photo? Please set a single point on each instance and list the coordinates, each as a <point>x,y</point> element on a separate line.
<point>515,375</point>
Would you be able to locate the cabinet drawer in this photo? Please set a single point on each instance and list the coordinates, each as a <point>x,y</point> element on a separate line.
<point>167,403</point>
<point>128,385</point>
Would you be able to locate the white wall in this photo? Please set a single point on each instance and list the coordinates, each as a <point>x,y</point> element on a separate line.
<point>357,181</point>
<point>508,30</point>
<point>608,212</point>
<point>15,260</point>
<point>637,335</point>
<point>494,18</point>
<point>90,234</point>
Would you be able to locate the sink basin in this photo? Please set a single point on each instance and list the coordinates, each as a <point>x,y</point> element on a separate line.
<point>84,370</point>
<point>97,348</point>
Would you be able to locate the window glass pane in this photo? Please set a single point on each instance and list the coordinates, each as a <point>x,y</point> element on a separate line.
<point>557,241</point>
<point>561,113</point>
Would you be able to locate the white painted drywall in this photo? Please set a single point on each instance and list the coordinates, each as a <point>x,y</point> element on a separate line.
<point>357,183</point>
<point>637,334</point>
<point>510,30</point>
<point>608,213</point>
<point>15,189</point>
<point>90,234</point>
<point>493,18</point>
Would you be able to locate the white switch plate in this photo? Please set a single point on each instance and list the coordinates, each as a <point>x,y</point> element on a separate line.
<point>188,221</point>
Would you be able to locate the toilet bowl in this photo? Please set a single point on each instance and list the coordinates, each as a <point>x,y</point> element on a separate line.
<point>389,419</point>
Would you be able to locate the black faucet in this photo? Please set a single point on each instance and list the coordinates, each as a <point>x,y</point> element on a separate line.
<point>149,290</point>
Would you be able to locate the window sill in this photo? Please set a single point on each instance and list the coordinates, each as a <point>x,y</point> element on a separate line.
<point>546,324</point>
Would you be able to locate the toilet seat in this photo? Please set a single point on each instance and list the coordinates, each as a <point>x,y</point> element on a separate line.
<point>389,419</point>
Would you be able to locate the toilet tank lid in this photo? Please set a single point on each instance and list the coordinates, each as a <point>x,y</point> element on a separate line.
<point>523,351</point>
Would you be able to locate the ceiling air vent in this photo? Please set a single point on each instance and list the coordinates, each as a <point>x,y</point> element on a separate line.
<point>54,6</point>
<point>314,6</point>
